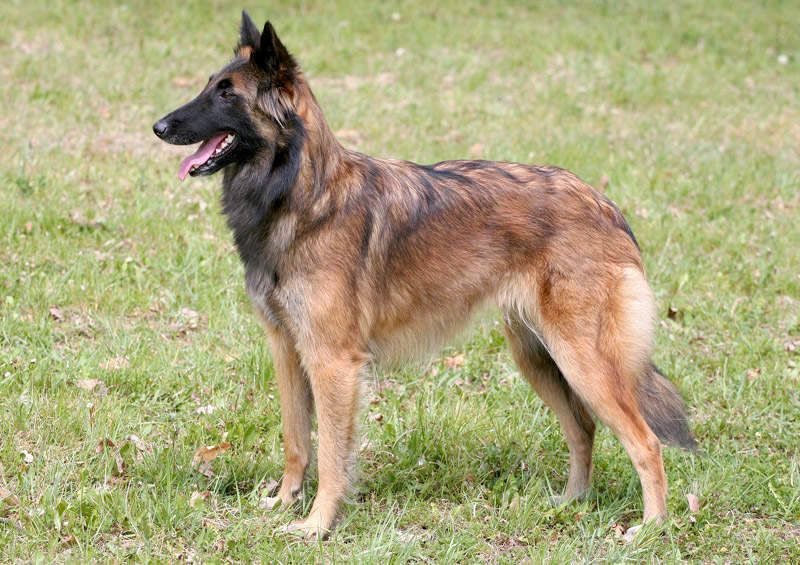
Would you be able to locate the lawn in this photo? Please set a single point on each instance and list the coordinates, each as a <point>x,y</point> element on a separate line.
<point>127,341</point>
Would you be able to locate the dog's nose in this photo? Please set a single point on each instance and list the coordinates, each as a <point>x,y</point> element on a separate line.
<point>160,128</point>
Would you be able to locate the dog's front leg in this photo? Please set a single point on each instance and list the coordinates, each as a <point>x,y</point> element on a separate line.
<point>296,406</point>
<point>336,382</point>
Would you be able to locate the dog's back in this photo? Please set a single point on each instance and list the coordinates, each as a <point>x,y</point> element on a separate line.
<point>348,257</point>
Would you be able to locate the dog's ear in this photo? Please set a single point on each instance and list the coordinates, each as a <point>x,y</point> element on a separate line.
<point>248,34</point>
<point>272,56</point>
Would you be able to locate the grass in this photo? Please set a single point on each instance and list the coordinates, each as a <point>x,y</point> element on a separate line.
<point>685,113</point>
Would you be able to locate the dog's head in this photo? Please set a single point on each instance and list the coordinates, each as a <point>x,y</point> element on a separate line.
<point>241,110</point>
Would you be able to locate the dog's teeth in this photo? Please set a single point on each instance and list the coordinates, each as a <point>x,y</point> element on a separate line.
<point>223,145</point>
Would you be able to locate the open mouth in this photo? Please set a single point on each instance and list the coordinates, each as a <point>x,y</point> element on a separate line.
<point>203,160</point>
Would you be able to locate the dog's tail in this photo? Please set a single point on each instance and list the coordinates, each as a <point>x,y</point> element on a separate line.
<point>663,409</point>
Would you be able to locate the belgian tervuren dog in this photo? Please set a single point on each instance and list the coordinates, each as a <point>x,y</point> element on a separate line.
<point>351,259</point>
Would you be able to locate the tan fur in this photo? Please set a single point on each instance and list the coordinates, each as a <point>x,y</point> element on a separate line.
<point>583,297</point>
<point>364,260</point>
<point>244,52</point>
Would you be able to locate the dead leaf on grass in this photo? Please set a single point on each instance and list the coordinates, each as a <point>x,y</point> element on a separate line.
<point>205,470</point>
<point>103,444</point>
<point>119,466</point>
<point>190,322</point>
<point>116,363</point>
<point>694,502</point>
<point>8,497</point>
<point>198,496</point>
<point>735,304</point>
<point>455,361</point>
<point>210,452</point>
<point>365,445</point>
<point>93,385</point>
<point>89,384</point>
<point>138,443</point>
<point>191,317</point>
<point>216,523</point>
<point>56,314</point>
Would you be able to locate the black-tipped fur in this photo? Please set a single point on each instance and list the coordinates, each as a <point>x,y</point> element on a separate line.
<point>268,51</point>
<point>351,259</point>
<point>663,409</point>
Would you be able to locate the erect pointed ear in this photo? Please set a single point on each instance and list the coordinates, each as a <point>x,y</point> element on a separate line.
<point>272,55</point>
<point>248,33</point>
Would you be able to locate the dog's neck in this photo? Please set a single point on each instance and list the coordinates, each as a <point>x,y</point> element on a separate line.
<point>287,184</point>
<point>322,154</point>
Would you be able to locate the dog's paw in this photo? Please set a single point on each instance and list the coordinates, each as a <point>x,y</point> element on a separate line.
<point>562,499</point>
<point>310,528</point>
<point>282,500</point>
<point>631,533</point>
<point>270,502</point>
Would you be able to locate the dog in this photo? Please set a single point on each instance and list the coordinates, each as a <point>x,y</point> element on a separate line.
<point>351,259</point>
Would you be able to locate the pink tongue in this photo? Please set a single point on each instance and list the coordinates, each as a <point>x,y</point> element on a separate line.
<point>200,156</point>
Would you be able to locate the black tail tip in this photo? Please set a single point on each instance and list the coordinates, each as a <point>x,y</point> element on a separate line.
<point>664,411</point>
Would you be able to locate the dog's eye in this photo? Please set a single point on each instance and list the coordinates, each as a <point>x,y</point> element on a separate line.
<point>225,87</point>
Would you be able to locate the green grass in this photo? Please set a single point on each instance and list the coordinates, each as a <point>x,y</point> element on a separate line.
<point>689,111</point>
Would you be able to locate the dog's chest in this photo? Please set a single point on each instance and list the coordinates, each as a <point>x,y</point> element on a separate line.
<point>261,252</point>
<point>261,287</point>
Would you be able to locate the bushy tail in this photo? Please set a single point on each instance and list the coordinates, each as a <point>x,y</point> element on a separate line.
<point>663,409</point>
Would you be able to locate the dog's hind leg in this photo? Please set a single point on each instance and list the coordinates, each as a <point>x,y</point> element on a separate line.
<point>544,376</point>
<point>603,389</point>
<point>602,348</point>
<point>296,407</point>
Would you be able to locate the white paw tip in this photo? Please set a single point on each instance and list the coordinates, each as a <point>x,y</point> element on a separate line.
<point>631,533</point>
<point>269,502</point>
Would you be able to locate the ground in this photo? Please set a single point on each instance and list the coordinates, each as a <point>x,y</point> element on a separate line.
<point>127,341</point>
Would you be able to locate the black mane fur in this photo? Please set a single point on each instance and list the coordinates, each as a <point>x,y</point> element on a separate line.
<point>254,194</point>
